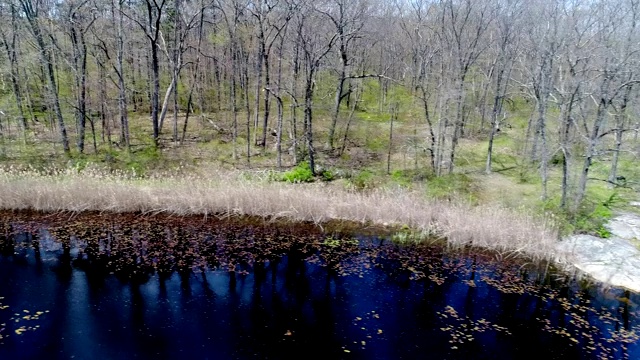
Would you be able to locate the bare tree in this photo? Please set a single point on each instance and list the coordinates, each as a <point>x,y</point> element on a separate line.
<point>570,90</point>
<point>185,19</point>
<point>315,45</point>
<point>78,24</point>
<point>611,80</point>
<point>507,47</point>
<point>348,19</point>
<point>150,23</point>
<point>539,68</point>
<point>629,53</point>
<point>31,12</point>
<point>417,28</point>
<point>122,90</point>
<point>463,26</point>
<point>194,80</point>
<point>11,47</point>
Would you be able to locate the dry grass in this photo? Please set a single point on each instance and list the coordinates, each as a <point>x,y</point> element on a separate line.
<point>235,193</point>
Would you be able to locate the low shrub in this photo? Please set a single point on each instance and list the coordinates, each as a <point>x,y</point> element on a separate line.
<point>363,180</point>
<point>328,175</point>
<point>299,174</point>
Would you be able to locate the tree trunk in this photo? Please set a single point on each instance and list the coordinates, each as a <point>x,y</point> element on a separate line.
<point>432,135</point>
<point>353,106</point>
<point>279,125</point>
<point>259,62</point>
<point>394,114</point>
<point>192,87</point>
<point>265,119</point>
<point>294,104</point>
<point>458,123</point>
<point>171,90</point>
<point>279,133</point>
<point>542,109</point>
<point>105,125</point>
<point>152,31</point>
<point>564,144</point>
<point>232,98</point>
<point>620,123</point>
<point>336,103</point>
<point>244,80</point>
<point>80,68</point>
<point>155,92</point>
<point>308,117</point>
<point>122,90</point>
<point>176,109</point>
<point>498,102</point>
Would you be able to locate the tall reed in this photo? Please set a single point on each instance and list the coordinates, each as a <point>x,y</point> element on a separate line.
<point>231,193</point>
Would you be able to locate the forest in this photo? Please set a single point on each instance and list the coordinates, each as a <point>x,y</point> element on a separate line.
<point>545,92</point>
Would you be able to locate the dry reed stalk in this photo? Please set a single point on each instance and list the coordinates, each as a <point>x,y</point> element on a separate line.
<point>227,194</point>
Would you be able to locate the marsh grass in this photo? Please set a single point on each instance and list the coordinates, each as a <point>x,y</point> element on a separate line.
<point>224,194</point>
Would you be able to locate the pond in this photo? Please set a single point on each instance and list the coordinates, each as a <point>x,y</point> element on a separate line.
<point>123,286</point>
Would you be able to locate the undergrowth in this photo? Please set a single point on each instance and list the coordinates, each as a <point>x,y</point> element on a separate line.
<point>299,174</point>
<point>302,174</point>
<point>590,217</point>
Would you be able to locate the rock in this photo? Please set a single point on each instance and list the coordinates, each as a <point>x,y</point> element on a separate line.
<point>625,226</point>
<point>614,261</point>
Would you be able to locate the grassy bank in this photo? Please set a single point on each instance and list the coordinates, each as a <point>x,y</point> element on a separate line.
<point>240,193</point>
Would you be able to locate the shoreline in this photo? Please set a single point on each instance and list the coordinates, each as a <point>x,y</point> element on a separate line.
<point>491,227</point>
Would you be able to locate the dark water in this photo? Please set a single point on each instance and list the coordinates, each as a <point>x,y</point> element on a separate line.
<point>347,299</point>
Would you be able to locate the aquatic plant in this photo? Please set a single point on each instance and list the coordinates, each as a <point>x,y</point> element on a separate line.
<point>17,321</point>
<point>334,242</point>
<point>408,236</point>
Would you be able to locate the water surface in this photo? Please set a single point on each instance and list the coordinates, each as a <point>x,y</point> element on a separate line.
<point>107,290</point>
